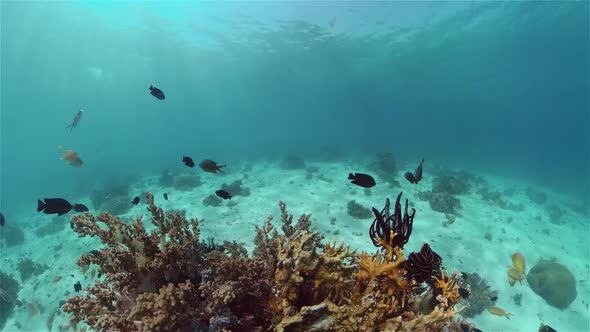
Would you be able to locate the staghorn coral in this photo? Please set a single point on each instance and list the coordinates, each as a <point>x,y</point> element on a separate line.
<point>167,280</point>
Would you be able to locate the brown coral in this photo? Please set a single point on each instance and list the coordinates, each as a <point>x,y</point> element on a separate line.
<point>166,280</point>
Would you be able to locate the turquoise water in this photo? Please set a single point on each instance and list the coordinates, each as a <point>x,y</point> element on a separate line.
<point>499,89</point>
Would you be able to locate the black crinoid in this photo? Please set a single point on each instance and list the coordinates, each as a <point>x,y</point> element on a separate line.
<point>393,229</point>
<point>423,265</point>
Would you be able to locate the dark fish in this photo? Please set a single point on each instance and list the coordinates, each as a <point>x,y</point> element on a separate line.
<point>157,92</point>
<point>165,196</point>
<point>223,194</point>
<point>418,173</point>
<point>210,166</point>
<point>475,329</point>
<point>464,292</point>
<point>361,179</point>
<point>546,328</point>
<point>416,177</point>
<point>410,177</point>
<point>188,161</point>
<point>2,221</point>
<point>494,298</point>
<point>80,208</point>
<point>76,120</point>
<point>57,206</point>
<point>135,200</point>
<point>78,286</point>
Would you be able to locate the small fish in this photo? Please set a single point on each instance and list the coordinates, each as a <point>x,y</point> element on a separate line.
<point>361,179</point>
<point>416,177</point>
<point>188,161</point>
<point>70,156</point>
<point>165,196</point>
<point>499,312</point>
<point>2,220</point>
<point>223,194</point>
<point>56,280</point>
<point>78,286</point>
<point>157,92</point>
<point>518,261</point>
<point>76,120</point>
<point>546,328</point>
<point>135,200</point>
<point>80,208</point>
<point>57,206</point>
<point>464,292</point>
<point>494,298</point>
<point>210,166</point>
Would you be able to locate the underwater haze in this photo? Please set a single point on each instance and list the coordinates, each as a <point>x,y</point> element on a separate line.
<point>496,90</point>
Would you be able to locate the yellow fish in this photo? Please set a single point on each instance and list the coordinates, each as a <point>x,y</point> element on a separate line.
<point>518,261</point>
<point>70,156</point>
<point>513,275</point>
<point>499,312</point>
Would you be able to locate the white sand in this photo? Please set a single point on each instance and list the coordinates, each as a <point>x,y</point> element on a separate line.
<point>462,245</point>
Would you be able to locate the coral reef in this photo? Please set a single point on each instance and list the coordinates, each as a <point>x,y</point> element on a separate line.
<point>9,288</point>
<point>358,211</point>
<point>186,181</point>
<point>27,268</point>
<point>385,166</point>
<point>12,236</point>
<point>292,162</point>
<point>481,298</point>
<point>167,280</point>
<point>553,282</point>
<point>56,225</point>
<point>444,202</point>
<point>497,198</point>
<point>235,188</point>
<point>450,184</point>
<point>538,197</point>
<point>115,199</point>
<point>212,200</point>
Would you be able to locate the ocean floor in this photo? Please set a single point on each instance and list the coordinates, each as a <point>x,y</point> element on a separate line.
<point>498,217</point>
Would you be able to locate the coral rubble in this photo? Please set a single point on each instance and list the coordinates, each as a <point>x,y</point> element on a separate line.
<point>167,280</point>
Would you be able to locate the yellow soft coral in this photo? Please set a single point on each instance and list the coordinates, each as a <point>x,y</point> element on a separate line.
<point>449,287</point>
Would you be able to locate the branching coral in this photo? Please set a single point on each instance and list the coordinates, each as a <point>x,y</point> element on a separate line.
<point>166,280</point>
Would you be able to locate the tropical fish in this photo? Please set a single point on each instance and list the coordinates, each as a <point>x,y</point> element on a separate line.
<point>77,286</point>
<point>2,221</point>
<point>518,261</point>
<point>135,201</point>
<point>416,177</point>
<point>165,196</point>
<point>499,312</point>
<point>360,179</point>
<point>188,161</point>
<point>70,156</point>
<point>210,166</point>
<point>223,194</point>
<point>76,119</point>
<point>57,206</point>
<point>80,208</point>
<point>157,92</point>
<point>513,275</point>
<point>464,292</point>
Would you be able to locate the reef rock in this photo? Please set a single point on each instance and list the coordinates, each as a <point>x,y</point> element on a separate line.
<point>553,282</point>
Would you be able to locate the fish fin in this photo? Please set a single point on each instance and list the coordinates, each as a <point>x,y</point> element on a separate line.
<point>40,205</point>
<point>229,197</point>
<point>219,168</point>
<point>350,176</point>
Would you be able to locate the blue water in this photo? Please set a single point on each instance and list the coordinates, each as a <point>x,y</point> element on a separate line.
<point>500,88</point>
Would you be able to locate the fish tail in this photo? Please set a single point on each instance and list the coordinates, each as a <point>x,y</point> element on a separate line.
<point>350,176</point>
<point>40,205</point>
<point>219,168</point>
